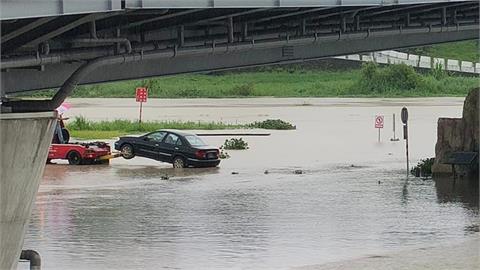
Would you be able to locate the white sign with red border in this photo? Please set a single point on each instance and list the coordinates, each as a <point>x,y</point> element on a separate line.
<point>379,121</point>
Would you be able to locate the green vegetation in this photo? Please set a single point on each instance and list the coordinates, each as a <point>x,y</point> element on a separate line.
<point>370,81</point>
<point>235,144</point>
<point>463,50</point>
<point>82,128</point>
<point>423,168</point>
<point>272,124</point>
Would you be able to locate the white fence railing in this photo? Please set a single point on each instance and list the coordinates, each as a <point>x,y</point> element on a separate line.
<point>394,57</point>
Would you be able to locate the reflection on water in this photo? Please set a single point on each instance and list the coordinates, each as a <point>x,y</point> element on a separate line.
<point>461,190</point>
<point>352,200</point>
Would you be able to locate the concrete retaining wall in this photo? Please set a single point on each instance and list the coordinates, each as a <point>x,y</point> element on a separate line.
<point>24,143</point>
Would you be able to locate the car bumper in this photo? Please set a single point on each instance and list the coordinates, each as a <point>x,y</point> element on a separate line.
<point>203,162</point>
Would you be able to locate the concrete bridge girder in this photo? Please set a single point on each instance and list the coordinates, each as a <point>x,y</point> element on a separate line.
<point>24,142</point>
<point>227,56</point>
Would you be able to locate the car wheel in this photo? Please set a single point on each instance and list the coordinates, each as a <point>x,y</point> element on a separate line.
<point>74,158</point>
<point>179,162</point>
<point>127,151</point>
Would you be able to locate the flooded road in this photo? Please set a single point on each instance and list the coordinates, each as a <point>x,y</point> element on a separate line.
<point>353,199</point>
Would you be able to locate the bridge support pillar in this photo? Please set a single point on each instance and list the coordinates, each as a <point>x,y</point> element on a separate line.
<point>24,142</point>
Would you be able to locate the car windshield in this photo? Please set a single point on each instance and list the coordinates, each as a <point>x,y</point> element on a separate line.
<point>195,140</point>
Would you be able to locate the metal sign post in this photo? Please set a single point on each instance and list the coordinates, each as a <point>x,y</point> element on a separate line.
<point>394,139</point>
<point>379,120</point>
<point>405,134</point>
<point>141,95</point>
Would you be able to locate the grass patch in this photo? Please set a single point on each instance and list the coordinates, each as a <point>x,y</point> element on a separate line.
<point>462,50</point>
<point>273,124</point>
<point>95,134</point>
<point>235,144</point>
<point>366,82</point>
<point>83,128</point>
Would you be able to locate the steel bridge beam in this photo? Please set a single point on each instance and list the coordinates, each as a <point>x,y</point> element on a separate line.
<point>227,58</point>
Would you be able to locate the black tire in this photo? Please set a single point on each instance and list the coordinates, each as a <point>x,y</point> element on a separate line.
<point>74,158</point>
<point>66,135</point>
<point>127,151</point>
<point>179,162</point>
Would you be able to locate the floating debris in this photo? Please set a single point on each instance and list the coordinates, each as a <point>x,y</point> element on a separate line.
<point>298,172</point>
<point>235,172</point>
<point>266,172</point>
<point>165,177</point>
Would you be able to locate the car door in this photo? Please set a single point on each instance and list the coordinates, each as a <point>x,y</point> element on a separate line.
<point>170,147</point>
<point>148,145</point>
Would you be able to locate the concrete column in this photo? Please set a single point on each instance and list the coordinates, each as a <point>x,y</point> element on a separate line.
<point>24,142</point>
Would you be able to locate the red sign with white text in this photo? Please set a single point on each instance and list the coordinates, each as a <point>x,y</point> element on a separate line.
<point>141,94</point>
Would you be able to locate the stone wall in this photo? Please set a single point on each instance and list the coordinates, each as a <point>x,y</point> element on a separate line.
<point>456,135</point>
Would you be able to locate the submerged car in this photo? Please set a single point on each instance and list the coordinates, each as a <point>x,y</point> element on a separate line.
<point>178,148</point>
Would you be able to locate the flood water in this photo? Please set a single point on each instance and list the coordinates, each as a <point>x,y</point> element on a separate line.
<point>352,200</point>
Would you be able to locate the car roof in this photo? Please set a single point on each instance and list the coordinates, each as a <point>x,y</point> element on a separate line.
<point>178,132</point>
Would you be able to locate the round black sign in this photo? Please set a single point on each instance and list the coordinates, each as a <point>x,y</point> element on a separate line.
<point>404,115</point>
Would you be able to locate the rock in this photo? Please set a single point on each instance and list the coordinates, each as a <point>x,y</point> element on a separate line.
<point>165,177</point>
<point>266,172</point>
<point>457,135</point>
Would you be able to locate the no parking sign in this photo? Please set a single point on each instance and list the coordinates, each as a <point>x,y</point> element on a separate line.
<point>379,123</point>
<point>379,120</point>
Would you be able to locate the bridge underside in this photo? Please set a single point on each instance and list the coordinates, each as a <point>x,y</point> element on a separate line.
<point>42,52</point>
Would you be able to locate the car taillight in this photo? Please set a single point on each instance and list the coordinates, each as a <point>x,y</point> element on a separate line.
<point>200,154</point>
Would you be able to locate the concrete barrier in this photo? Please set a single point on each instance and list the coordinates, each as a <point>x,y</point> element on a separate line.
<point>467,66</point>
<point>24,141</point>
<point>453,65</point>
<point>393,57</point>
<point>425,61</point>
<point>439,62</point>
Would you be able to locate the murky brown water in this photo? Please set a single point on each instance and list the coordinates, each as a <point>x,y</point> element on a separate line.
<point>123,216</point>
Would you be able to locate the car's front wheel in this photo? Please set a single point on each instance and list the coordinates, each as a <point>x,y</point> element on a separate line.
<point>127,151</point>
<point>179,162</point>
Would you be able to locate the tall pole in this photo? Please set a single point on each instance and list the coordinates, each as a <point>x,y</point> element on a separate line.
<point>406,148</point>
<point>394,137</point>
<point>140,118</point>
<point>405,134</point>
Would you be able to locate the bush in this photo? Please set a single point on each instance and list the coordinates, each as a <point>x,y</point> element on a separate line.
<point>235,144</point>
<point>243,90</point>
<point>438,72</point>
<point>273,124</point>
<point>423,168</point>
<point>393,78</point>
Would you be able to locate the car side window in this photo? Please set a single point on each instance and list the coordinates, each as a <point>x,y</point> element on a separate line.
<point>171,139</point>
<point>179,142</point>
<point>157,136</point>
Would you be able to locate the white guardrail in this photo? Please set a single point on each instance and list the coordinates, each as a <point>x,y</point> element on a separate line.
<point>394,57</point>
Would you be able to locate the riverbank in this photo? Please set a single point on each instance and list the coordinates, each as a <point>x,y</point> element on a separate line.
<point>464,255</point>
<point>290,81</point>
